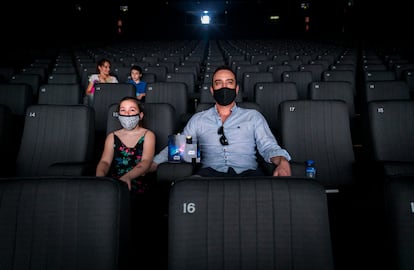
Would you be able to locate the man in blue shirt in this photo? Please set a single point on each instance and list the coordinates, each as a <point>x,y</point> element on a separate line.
<point>140,86</point>
<point>229,135</point>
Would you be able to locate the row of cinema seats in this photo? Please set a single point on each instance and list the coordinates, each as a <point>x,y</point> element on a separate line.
<point>64,135</point>
<point>214,223</point>
<point>61,139</point>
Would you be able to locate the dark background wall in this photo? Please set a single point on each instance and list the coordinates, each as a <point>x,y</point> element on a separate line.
<point>72,22</point>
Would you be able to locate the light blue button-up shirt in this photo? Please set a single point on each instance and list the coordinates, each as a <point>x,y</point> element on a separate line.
<point>245,129</point>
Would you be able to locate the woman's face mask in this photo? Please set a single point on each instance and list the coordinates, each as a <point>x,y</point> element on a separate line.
<point>129,122</point>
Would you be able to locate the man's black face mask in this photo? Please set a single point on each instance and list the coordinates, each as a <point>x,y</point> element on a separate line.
<point>224,96</point>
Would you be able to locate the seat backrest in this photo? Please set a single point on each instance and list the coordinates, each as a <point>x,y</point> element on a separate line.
<point>159,71</point>
<point>174,93</point>
<point>316,70</point>
<point>379,75</point>
<point>277,71</point>
<point>7,146</point>
<point>78,222</point>
<point>399,69</point>
<point>17,96</point>
<point>56,140</point>
<point>250,79</point>
<point>280,58</point>
<point>65,94</point>
<point>386,90</point>
<point>408,77</point>
<point>336,90</point>
<point>158,117</point>
<point>302,80</point>
<point>148,77</point>
<point>391,130</point>
<point>42,71</point>
<point>69,67</point>
<point>399,197</point>
<point>269,95</point>
<point>33,80</point>
<point>123,73</point>
<point>6,73</point>
<point>105,95</point>
<point>294,63</point>
<point>241,69</point>
<point>248,223</point>
<point>265,64</point>
<point>341,75</point>
<point>186,77</point>
<point>63,78</point>
<point>188,68</point>
<point>319,130</point>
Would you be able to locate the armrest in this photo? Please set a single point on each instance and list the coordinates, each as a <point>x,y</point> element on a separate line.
<point>169,172</point>
<point>298,169</point>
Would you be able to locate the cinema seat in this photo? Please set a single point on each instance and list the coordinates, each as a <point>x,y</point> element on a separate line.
<point>248,223</point>
<point>78,223</point>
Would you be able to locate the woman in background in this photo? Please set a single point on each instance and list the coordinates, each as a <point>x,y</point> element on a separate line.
<point>103,76</point>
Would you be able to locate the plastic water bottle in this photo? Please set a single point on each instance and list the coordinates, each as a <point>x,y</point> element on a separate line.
<point>310,169</point>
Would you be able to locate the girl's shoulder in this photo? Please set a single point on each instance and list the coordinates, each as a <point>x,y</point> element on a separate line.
<point>93,77</point>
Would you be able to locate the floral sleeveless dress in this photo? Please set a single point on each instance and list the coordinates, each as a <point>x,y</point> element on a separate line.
<point>126,158</point>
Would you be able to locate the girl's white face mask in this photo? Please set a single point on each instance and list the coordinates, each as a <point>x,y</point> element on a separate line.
<point>129,122</point>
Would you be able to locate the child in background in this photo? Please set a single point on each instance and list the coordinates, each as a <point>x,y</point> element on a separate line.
<point>140,86</point>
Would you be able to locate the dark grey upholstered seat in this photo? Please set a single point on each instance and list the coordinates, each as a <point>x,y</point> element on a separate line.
<point>122,73</point>
<point>341,75</point>
<point>386,90</point>
<point>33,80</point>
<point>250,79</point>
<point>159,71</point>
<point>319,130</point>
<point>190,80</point>
<point>17,96</point>
<point>56,140</point>
<point>390,136</point>
<point>241,69</point>
<point>316,70</point>
<point>64,78</point>
<point>7,145</point>
<point>379,75</point>
<point>174,93</point>
<point>302,80</point>
<point>339,90</point>
<point>269,95</point>
<point>399,210</point>
<point>248,223</point>
<point>277,71</point>
<point>64,222</point>
<point>60,93</point>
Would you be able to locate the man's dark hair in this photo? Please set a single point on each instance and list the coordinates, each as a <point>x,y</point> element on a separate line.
<point>223,67</point>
